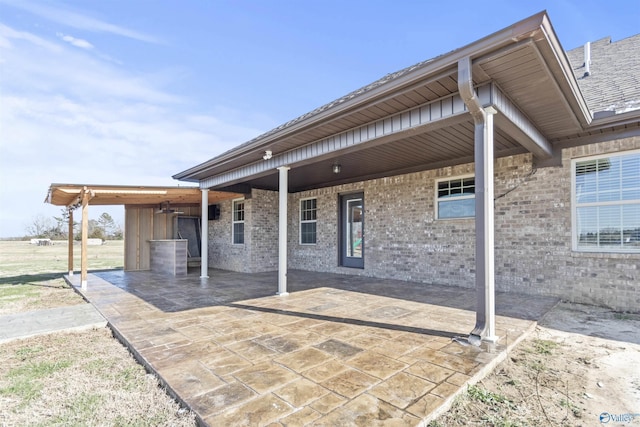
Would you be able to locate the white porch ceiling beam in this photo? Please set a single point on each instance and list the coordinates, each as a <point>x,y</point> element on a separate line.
<point>436,113</point>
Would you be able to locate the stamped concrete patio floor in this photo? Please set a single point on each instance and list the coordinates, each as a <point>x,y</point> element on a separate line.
<point>338,350</point>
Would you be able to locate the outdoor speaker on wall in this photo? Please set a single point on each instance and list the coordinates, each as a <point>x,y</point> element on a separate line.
<point>214,212</point>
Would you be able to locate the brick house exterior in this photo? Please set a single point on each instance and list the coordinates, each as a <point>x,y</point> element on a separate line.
<point>533,234</point>
<point>537,250</point>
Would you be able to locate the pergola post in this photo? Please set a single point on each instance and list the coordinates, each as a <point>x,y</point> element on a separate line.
<point>283,192</point>
<point>70,242</point>
<point>204,239</point>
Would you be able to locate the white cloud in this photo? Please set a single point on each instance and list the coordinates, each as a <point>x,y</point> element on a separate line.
<point>79,21</point>
<point>8,33</point>
<point>71,118</point>
<point>83,44</point>
<point>59,70</point>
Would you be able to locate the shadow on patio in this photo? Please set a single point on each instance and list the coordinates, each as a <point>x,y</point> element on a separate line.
<point>171,294</point>
<point>338,350</point>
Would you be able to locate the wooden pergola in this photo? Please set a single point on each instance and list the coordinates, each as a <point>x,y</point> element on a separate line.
<point>73,196</point>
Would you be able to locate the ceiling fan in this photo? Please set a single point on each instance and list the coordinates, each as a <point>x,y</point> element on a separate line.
<point>165,208</point>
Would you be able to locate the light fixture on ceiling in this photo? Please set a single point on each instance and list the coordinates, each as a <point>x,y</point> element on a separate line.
<point>165,208</point>
<point>336,168</point>
<point>267,154</point>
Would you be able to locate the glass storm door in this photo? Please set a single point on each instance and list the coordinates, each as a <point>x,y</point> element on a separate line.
<point>352,230</point>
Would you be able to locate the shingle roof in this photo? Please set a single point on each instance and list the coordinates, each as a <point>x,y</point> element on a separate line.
<point>614,80</point>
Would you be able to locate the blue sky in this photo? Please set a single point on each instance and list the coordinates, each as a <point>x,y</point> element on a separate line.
<point>133,91</point>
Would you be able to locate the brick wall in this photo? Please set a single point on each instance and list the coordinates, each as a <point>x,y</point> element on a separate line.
<point>264,230</point>
<point>403,240</point>
<point>260,249</point>
<point>222,252</point>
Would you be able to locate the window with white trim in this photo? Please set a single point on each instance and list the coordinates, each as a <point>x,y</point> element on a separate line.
<point>455,198</point>
<point>606,203</point>
<point>308,221</point>
<point>238,222</point>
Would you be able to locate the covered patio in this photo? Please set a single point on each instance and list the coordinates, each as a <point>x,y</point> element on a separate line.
<point>339,350</point>
<point>511,93</point>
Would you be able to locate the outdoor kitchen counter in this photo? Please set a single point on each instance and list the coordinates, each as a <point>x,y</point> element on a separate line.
<point>169,256</point>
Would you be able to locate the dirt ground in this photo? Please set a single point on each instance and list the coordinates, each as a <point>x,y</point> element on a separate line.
<point>80,378</point>
<point>580,367</point>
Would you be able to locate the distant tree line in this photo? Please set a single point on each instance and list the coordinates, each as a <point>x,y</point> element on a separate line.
<point>57,228</point>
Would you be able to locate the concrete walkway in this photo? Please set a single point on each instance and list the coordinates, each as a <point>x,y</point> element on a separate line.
<point>41,322</point>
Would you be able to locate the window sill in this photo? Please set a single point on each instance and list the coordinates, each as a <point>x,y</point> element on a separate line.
<point>464,218</point>
<point>614,255</point>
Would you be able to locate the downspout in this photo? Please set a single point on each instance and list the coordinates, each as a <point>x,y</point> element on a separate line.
<point>484,223</point>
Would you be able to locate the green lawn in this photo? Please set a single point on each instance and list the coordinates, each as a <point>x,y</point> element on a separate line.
<point>31,275</point>
<point>18,259</point>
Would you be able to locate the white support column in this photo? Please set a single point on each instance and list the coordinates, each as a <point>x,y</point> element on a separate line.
<point>85,233</point>
<point>283,192</point>
<point>483,159</point>
<point>70,243</point>
<point>485,229</point>
<point>204,239</point>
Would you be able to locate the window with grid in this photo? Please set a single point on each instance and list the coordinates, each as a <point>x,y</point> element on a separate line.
<point>455,198</point>
<point>238,222</point>
<point>606,203</point>
<point>308,221</point>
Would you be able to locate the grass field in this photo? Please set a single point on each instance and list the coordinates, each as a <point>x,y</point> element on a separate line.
<point>31,276</point>
<point>22,258</point>
<point>70,378</point>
